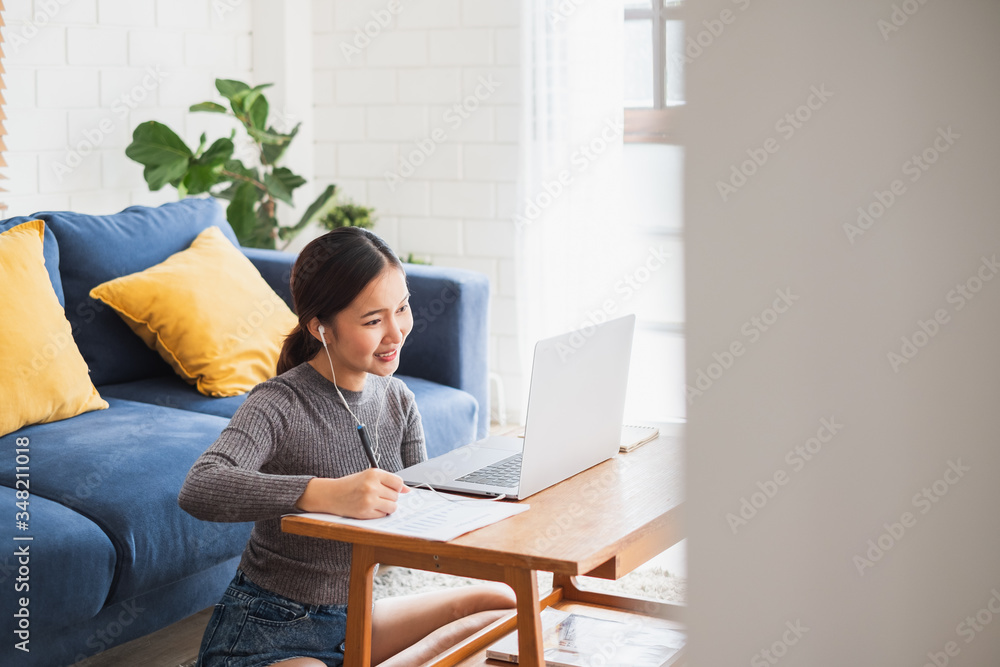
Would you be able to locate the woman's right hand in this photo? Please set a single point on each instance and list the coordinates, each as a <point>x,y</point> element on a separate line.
<point>369,494</point>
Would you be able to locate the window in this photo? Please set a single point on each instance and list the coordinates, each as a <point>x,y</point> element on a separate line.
<point>654,75</point>
<point>652,203</point>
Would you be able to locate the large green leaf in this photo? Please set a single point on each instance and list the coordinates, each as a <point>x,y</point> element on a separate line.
<point>258,113</point>
<point>240,212</point>
<point>241,96</point>
<point>281,182</point>
<point>199,178</point>
<point>208,106</point>
<point>323,204</point>
<point>164,155</point>
<point>247,98</point>
<point>273,152</point>
<point>235,92</point>
<point>219,152</point>
<point>229,88</point>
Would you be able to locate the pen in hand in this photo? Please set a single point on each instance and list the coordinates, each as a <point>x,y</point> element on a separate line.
<point>367,444</point>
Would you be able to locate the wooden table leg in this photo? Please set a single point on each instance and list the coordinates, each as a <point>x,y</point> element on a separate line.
<point>529,624</point>
<point>359,607</point>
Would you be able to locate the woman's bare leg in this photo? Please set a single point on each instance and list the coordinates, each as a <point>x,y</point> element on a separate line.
<point>398,623</point>
<point>299,662</point>
<point>442,639</point>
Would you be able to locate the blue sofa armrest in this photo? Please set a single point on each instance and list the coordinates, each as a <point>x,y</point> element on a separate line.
<point>449,343</point>
<point>276,268</point>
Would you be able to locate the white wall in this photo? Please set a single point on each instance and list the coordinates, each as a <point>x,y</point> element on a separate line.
<point>844,545</point>
<point>408,98</point>
<point>81,74</point>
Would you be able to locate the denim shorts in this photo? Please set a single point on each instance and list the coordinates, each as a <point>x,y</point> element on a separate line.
<point>253,627</point>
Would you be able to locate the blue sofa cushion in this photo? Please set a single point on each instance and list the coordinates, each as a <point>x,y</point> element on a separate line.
<point>122,468</point>
<point>448,414</point>
<point>97,248</point>
<point>172,392</point>
<point>50,253</point>
<point>71,562</point>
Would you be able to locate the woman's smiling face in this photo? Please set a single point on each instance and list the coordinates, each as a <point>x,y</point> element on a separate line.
<point>366,336</point>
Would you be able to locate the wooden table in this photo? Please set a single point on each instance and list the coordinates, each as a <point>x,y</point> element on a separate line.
<point>603,522</point>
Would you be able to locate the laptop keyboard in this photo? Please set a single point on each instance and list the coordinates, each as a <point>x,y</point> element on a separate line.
<point>502,473</point>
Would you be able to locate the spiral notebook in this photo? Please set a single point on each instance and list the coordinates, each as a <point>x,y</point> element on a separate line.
<point>634,436</point>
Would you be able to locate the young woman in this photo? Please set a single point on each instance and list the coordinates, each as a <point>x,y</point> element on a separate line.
<point>293,446</point>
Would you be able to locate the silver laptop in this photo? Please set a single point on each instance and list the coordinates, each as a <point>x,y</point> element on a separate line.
<point>575,407</point>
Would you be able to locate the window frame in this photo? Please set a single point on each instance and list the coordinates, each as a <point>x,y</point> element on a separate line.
<point>656,124</point>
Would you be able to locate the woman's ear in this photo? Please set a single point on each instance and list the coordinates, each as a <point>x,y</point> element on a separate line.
<point>313,327</point>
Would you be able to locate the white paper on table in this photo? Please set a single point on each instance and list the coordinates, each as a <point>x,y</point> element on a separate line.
<point>431,515</point>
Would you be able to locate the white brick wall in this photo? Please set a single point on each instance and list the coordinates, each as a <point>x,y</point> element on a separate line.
<point>460,47</point>
<point>404,123</point>
<point>431,85</point>
<point>96,46</point>
<point>398,48</point>
<point>385,99</point>
<point>82,74</point>
<point>489,13</point>
<point>192,14</point>
<point>431,92</point>
<point>67,87</point>
<point>430,14</point>
<point>356,86</point>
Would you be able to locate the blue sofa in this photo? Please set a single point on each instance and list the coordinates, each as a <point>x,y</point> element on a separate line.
<point>113,557</point>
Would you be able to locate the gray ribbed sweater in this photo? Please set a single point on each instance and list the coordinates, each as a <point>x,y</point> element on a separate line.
<point>290,429</point>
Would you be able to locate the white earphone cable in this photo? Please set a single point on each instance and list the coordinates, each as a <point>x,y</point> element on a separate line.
<point>496,496</point>
<point>378,418</point>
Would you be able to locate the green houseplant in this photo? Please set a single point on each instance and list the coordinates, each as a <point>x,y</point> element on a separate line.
<point>348,214</point>
<point>252,191</point>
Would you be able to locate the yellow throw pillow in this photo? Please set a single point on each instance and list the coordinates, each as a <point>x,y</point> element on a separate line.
<point>45,378</point>
<point>209,314</point>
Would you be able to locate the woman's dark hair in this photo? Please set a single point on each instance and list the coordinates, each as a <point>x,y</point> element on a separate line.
<point>327,276</point>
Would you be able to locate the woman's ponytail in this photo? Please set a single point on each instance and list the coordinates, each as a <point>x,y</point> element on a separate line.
<point>298,347</point>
